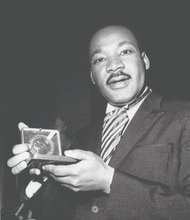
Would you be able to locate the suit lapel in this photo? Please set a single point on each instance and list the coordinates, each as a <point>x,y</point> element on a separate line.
<point>148,113</point>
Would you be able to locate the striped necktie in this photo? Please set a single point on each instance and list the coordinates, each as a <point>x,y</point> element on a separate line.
<point>114,126</point>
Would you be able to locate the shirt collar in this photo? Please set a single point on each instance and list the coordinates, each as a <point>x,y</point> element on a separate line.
<point>110,108</point>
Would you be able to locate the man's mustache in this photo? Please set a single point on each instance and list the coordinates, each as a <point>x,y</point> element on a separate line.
<point>117,74</point>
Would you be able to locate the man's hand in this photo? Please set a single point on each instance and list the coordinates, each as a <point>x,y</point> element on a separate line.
<point>21,157</point>
<point>90,173</point>
<point>18,162</point>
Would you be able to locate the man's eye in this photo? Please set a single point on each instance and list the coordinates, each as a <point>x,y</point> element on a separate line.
<point>127,51</point>
<point>99,60</point>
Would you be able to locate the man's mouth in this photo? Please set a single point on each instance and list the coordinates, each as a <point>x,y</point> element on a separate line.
<point>118,80</point>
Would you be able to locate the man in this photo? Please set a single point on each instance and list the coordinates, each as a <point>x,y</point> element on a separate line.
<point>132,167</point>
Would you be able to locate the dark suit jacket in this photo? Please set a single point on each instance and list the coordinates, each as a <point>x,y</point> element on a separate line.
<point>152,169</point>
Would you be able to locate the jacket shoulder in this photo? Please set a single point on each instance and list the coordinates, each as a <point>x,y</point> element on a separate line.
<point>176,106</point>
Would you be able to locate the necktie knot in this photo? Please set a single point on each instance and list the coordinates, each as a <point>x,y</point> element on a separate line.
<point>115,112</point>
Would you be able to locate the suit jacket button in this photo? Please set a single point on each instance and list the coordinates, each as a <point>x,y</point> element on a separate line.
<point>95,209</point>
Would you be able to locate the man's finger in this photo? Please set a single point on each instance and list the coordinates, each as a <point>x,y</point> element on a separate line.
<point>20,148</point>
<point>34,171</point>
<point>75,189</point>
<point>20,167</point>
<point>18,159</point>
<point>21,125</point>
<point>78,154</point>
<point>60,170</point>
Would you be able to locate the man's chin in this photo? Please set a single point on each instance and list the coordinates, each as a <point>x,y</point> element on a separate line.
<point>119,96</point>
<point>119,101</point>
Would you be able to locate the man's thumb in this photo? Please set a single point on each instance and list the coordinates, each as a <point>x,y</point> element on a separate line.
<point>21,125</point>
<point>77,154</point>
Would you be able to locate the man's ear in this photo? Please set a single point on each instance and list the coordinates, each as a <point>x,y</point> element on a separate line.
<point>92,78</point>
<point>146,60</point>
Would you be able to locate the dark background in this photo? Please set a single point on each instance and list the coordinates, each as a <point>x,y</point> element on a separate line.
<point>45,70</point>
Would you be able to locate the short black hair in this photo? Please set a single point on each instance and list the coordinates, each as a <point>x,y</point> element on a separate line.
<point>134,30</point>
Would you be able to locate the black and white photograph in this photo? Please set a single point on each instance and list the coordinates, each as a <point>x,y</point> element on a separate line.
<point>95,110</point>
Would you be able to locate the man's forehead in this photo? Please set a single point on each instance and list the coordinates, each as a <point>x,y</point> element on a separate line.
<point>103,36</point>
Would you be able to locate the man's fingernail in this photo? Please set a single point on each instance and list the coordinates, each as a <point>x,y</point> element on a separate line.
<point>67,152</point>
<point>37,172</point>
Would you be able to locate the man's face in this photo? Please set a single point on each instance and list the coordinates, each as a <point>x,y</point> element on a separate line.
<point>117,65</point>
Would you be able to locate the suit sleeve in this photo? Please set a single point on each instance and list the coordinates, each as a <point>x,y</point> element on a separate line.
<point>52,201</point>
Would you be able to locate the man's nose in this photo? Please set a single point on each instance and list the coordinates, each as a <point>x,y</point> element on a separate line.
<point>114,64</point>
